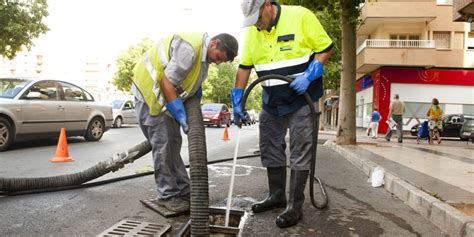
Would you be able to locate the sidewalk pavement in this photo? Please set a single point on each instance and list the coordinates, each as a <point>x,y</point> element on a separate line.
<point>436,180</point>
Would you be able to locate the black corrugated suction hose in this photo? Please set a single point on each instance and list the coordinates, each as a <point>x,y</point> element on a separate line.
<point>314,146</point>
<point>198,169</point>
<point>68,180</point>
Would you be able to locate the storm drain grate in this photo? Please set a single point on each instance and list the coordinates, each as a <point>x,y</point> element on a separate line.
<point>136,228</point>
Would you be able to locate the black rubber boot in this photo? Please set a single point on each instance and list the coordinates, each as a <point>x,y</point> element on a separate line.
<point>294,211</point>
<point>276,197</point>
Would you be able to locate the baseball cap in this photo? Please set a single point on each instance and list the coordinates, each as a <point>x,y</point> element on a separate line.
<point>251,8</point>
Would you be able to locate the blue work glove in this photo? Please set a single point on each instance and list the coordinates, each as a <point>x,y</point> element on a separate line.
<point>301,83</point>
<point>176,108</point>
<point>199,93</point>
<point>236,95</point>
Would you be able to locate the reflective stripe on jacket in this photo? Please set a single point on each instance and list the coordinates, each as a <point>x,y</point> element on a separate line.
<point>149,71</point>
<point>287,49</point>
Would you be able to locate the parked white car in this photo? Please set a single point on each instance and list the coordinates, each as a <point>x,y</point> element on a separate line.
<point>39,108</point>
<point>123,112</point>
<point>253,116</point>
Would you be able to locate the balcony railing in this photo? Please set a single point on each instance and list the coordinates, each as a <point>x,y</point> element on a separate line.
<point>385,43</point>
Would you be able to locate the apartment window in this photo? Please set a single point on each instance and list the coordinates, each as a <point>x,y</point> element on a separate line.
<point>444,2</point>
<point>400,40</point>
<point>467,109</point>
<point>470,41</point>
<point>404,37</point>
<point>442,39</point>
<point>458,40</point>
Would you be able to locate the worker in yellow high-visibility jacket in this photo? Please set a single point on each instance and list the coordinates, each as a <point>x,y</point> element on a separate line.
<point>283,40</point>
<point>169,73</point>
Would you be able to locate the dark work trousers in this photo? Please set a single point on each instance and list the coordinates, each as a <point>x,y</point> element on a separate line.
<point>272,138</point>
<point>164,135</point>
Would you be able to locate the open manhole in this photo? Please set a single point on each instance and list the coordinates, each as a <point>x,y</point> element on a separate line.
<point>136,228</point>
<point>217,226</point>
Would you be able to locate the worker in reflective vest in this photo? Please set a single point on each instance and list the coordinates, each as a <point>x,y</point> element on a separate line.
<point>283,40</point>
<point>166,75</point>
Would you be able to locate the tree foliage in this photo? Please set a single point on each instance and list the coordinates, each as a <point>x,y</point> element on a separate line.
<point>329,16</point>
<point>347,13</point>
<point>126,61</point>
<point>20,23</point>
<point>220,79</point>
<point>216,88</point>
<point>218,83</point>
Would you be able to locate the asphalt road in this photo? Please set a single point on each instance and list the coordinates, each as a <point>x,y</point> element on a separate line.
<point>31,158</point>
<point>355,208</point>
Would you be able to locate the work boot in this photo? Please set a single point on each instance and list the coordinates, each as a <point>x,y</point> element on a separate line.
<point>174,204</point>
<point>276,197</point>
<point>294,211</point>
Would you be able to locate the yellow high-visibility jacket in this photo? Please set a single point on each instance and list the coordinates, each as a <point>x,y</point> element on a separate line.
<point>149,70</point>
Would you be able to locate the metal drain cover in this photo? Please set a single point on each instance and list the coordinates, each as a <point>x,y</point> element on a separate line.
<point>136,228</point>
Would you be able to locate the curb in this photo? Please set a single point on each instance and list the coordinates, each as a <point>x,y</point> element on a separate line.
<point>445,217</point>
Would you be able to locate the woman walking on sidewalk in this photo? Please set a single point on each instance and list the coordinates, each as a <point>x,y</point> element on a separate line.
<point>435,113</point>
<point>374,122</point>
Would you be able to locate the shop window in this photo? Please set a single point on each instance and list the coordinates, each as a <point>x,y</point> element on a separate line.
<point>468,109</point>
<point>359,111</point>
<point>418,110</point>
<point>368,110</point>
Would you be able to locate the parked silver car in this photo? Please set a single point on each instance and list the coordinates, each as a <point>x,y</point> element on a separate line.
<point>123,112</point>
<point>38,108</point>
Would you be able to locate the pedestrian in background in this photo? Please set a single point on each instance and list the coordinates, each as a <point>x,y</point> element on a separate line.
<point>369,129</point>
<point>435,124</point>
<point>169,73</point>
<point>396,110</point>
<point>284,40</point>
<point>374,122</point>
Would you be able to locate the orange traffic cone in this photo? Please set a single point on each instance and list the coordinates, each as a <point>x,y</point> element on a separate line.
<point>226,134</point>
<point>62,152</point>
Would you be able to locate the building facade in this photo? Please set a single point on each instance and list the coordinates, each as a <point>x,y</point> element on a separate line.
<point>414,49</point>
<point>463,10</point>
<point>94,74</point>
<point>30,64</point>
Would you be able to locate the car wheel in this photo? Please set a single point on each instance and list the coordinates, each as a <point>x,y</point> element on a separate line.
<point>118,122</point>
<point>6,134</point>
<point>95,130</point>
<point>219,124</point>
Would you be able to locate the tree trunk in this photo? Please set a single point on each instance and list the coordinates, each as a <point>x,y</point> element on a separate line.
<point>346,130</point>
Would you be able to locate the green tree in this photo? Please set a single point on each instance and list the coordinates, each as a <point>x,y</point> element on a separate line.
<point>219,81</point>
<point>254,101</point>
<point>126,61</point>
<point>347,12</point>
<point>330,19</point>
<point>20,23</point>
<point>346,131</point>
